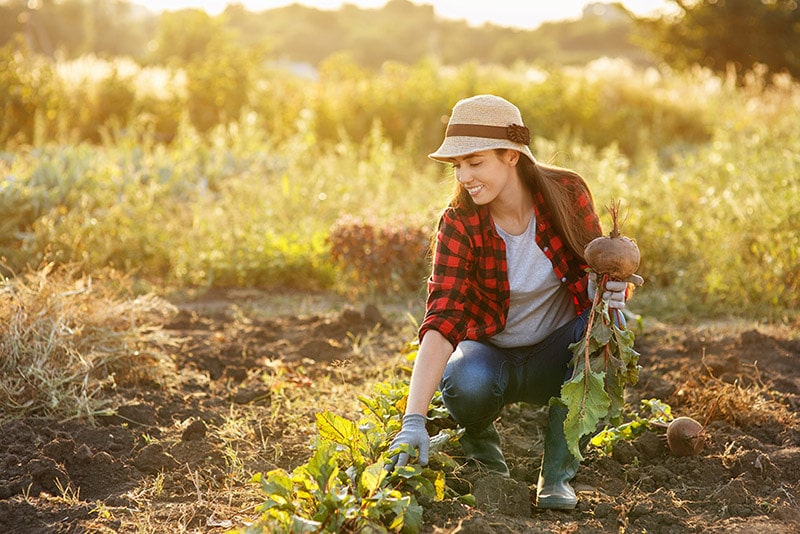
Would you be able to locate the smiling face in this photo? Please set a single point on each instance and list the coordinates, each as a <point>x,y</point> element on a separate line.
<point>488,175</point>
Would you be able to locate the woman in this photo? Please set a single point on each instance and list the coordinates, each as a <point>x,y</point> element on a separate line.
<point>508,292</point>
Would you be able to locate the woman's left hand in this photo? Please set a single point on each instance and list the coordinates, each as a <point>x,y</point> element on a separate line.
<point>615,289</point>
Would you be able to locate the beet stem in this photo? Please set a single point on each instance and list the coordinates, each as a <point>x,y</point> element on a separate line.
<point>613,209</point>
<point>592,313</point>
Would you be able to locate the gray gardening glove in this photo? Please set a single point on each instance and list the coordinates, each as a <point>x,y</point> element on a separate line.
<point>615,290</point>
<point>413,434</point>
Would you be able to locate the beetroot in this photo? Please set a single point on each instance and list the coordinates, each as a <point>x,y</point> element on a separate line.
<point>614,255</point>
<point>685,437</point>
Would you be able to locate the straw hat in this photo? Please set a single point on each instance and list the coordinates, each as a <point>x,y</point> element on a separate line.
<point>484,122</point>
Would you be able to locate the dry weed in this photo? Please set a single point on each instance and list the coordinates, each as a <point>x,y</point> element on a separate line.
<point>741,403</point>
<point>64,338</point>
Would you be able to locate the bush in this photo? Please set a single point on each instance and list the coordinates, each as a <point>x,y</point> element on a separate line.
<point>101,107</point>
<point>380,258</point>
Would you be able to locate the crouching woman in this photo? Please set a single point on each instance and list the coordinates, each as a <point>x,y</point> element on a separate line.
<point>507,295</point>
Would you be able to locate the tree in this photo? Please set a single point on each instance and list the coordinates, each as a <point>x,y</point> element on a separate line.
<point>721,33</point>
<point>185,35</point>
<point>218,83</point>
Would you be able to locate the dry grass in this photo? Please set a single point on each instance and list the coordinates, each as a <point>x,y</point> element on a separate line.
<point>743,402</point>
<point>65,337</point>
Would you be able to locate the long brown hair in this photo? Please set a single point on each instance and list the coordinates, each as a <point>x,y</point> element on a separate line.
<point>560,188</point>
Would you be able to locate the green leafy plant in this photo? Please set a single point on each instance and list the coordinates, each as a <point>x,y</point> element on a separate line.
<point>30,96</point>
<point>348,485</point>
<point>604,362</point>
<point>657,414</point>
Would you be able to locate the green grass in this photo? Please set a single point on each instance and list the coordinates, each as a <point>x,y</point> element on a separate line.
<point>247,205</point>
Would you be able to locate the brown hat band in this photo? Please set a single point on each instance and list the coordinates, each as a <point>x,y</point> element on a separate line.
<point>513,132</point>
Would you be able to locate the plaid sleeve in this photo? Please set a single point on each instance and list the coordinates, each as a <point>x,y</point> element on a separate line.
<point>447,286</point>
<point>586,212</point>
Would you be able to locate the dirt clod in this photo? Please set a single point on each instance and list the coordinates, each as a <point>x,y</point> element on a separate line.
<point>195,431</point>
<point>506,496</point>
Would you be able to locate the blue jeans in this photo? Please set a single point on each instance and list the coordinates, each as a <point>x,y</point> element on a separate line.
<point>481,378</point>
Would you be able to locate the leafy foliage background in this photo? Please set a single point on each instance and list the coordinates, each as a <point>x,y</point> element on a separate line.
<point>203,160</point>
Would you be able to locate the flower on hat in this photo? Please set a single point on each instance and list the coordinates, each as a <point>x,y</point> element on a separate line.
<point>519,134</point>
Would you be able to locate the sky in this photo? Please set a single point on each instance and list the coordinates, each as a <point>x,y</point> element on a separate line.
<point>510,13</point>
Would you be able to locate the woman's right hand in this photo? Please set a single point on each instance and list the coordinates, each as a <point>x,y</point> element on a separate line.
<point>415,435</point>
<point>615,291</point>
<point>434,351</point>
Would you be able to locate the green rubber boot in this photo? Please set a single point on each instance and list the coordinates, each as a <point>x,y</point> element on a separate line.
<point>484,449</point>
<point>559,466</point>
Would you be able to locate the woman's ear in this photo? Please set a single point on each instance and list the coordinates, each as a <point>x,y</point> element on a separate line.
<point>512,157</point>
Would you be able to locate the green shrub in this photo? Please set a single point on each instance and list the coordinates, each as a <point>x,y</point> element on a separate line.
<point>103,106</point>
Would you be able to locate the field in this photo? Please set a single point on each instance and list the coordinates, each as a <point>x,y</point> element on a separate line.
<point>176,314</point>
<point>253,368</point>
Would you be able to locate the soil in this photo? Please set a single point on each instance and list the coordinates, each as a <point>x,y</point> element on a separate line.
<point>253,369</point>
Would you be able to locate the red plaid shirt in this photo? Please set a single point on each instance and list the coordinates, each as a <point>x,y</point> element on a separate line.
<point>468,291</point>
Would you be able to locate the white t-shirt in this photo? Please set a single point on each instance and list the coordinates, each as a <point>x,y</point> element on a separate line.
<point>540,303</point>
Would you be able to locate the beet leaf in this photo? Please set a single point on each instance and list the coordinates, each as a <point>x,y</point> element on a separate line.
<point>604,362</point>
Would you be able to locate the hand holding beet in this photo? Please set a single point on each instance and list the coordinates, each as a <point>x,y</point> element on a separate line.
<point>615,290</point>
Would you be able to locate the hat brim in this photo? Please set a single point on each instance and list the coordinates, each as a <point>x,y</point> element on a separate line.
<point>457,146</point>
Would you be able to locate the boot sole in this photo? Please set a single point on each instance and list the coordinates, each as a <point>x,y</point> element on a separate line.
<point>556,505</point>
